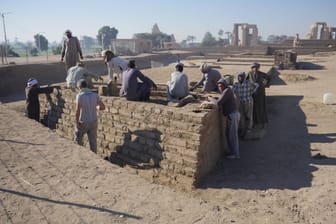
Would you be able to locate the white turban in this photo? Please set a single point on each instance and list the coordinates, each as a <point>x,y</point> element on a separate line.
<point>103,53</point>
<point>204,68</point>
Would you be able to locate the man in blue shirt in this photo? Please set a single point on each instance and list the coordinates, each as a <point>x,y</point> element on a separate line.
<point>131,88</point>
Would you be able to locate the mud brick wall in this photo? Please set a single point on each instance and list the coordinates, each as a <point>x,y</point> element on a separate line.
<point>178,146</point>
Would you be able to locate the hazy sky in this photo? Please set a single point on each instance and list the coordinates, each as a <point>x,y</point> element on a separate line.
<point>178,17</point>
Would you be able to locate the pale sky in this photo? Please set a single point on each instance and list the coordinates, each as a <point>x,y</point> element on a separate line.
<point>179,17</point>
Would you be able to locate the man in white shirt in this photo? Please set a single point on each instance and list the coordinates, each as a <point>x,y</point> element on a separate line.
<point>115,65</point>
<point>78,72</point>
<point>177,87</point>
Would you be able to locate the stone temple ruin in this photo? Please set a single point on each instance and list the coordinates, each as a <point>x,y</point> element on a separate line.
<point>324,33</point>
<point>169,145</point>
<point>245,38</point>
<point>320,36</point>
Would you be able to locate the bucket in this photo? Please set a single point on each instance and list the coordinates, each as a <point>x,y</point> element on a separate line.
<point>328,98</point>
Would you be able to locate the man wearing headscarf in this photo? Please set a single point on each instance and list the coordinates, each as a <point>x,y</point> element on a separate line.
<point>32,99</point>
<point>244,89</point>
<point>209,79</point>
<point>259,97</point>
<point>227,103</point>
<point>71,50</point>
<point>115,65</point>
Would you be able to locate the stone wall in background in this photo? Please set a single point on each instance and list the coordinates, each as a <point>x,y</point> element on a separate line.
<point>14,77</point>
<point>175,146</point>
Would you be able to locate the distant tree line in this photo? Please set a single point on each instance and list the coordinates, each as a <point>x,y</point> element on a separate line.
<point>106,34</point>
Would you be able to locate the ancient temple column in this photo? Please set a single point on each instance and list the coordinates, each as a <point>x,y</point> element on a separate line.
<point>235,35</point>
<point>254,39</point>
<point>245,32</point>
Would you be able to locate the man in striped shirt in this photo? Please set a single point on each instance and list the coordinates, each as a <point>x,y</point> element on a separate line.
<point>244,89</point>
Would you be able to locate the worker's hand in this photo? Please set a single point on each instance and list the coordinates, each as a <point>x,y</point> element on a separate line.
<point>155,87</point>
<point>62,59</point>
<point>101,78</point>
<point>109,83</point>
<point>81,57</point>
<point>265,83</point>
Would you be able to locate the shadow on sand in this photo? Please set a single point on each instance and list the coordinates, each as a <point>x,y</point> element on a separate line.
<point>33,197</point>
<point>280,160</point>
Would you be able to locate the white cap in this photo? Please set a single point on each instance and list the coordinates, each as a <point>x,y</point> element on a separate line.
<point>31,82</point>
<point>103,53</point>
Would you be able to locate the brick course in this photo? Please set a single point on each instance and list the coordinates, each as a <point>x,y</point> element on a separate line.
<point>178,146</point>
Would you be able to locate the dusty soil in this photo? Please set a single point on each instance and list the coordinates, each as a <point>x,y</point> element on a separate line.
<point>286,177</point>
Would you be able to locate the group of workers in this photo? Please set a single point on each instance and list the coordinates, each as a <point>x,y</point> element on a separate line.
<point>243,104</point>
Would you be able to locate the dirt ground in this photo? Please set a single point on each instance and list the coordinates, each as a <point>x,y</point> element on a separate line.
<point>286,177</point>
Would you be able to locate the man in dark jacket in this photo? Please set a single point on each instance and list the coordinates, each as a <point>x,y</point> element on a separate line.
<point>131,88</point>
<point>259,97</point>
<point>227,103</point>
<point>32,100</point>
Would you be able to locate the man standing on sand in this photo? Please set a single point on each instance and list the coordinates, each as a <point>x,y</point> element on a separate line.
<point>86,115</point>
<point>32,99</point>
<point>227,102</point>
<point>244,89</point>
<point>259,97</point>
<point>71,50</point>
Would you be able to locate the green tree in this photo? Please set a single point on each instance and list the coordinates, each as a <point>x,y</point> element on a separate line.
<point>209,40</point>
<point>41,42</point>
<point>56,49</point>
<point>105,35</point>
<point>220,33</point>
<point>191,38</point>
<point>278,38</point>
<point>184,43</point>
<point>87,42</point>
<point>34,51</point>
<point>11,52</point>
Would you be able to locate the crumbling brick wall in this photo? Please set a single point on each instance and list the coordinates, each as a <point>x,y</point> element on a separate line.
<point>177,146</point>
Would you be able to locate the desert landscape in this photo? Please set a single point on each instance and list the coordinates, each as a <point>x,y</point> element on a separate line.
<point>288,176</point>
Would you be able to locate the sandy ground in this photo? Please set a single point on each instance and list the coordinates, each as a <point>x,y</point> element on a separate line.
<point>286,177</point>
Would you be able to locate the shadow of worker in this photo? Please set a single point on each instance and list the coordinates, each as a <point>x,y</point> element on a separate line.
<point>141,149</point>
